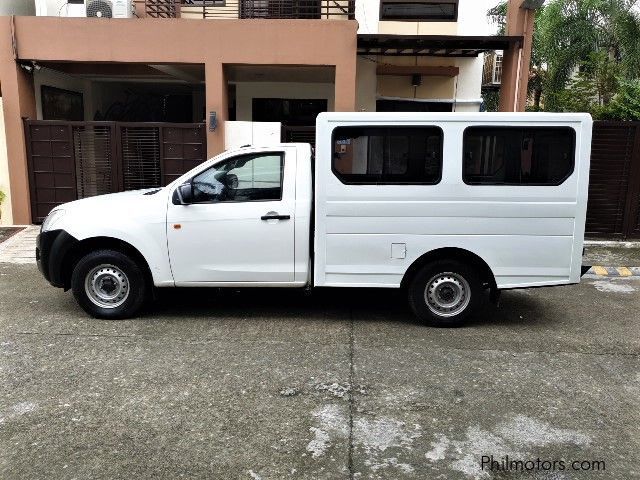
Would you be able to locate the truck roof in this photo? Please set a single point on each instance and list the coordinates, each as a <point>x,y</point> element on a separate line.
<point>452,117</point>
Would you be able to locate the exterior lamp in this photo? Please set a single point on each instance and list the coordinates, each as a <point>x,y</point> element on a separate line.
<point>213,121</point>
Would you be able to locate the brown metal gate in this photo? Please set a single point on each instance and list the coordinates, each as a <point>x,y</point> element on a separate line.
<point>71,160</point>
<point>299,135</point>
<point>614,184</point>
<point>52,175</point>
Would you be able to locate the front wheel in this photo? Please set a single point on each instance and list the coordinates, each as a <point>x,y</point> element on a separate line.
<point>444,293</point>
<point>108,284</point>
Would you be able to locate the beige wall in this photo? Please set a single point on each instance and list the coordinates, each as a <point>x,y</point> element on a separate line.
<point>465,88</point>
<point>469,81</point>
<point>247,91</point>
<point>367,82</point>
<point>431,88</point>
<point>5,208</point>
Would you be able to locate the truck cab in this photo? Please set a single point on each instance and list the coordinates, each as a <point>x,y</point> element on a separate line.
<point>241,218</point>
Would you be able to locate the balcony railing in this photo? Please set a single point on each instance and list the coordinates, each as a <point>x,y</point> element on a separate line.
<point>158,8</point>
<point>492,71</point>
<point>271,9</point>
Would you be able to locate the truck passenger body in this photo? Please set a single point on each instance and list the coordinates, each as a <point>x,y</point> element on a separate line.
<point>443,205</point>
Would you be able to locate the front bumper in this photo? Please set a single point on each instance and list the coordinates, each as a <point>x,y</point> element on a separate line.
<point>52,249</point>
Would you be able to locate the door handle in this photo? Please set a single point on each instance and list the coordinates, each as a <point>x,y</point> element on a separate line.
<point>275,216</point>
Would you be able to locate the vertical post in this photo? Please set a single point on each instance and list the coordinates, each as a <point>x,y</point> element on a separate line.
<point>18,102</point>
<point>140,8</point>
<point>216,101</point>
<point>631,220</point>
<point>345,87</point>
<point>516,61</point>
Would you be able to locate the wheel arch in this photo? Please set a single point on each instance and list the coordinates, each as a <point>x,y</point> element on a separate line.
<point>83,247</point>
<point>451,253</point>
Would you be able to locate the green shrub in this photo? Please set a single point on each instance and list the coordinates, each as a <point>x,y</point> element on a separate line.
<point>625,105</point>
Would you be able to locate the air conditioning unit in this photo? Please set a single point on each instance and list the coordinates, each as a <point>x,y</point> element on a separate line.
<point>86,8</point>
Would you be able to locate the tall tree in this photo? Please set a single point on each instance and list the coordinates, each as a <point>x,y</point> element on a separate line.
<point>582,41</point>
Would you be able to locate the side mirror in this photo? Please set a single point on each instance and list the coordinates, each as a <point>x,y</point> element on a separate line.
<point>185,193</point>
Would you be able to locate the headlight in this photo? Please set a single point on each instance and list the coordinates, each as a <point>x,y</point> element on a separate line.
<point>52,219</point>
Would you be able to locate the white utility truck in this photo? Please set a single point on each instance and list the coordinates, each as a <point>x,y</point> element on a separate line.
<point>445,206</point>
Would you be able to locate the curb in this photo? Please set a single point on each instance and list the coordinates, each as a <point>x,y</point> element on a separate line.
<point>612,243</point>
<point>601,271</point>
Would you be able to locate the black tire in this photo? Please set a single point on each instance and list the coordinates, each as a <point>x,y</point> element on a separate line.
<point>451,276</point>
<point>118,272</point>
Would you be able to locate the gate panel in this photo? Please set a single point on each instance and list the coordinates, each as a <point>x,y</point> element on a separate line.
<point>71,160</point>
<point>183,148</point>
<point>632,225</point>
<point>96,167</point>
<point>140,153</point>
<point>611,164</point>
<point>299,135</point>
<point>51,166</point>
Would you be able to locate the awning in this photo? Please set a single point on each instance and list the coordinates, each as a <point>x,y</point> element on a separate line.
<point>434,45</point>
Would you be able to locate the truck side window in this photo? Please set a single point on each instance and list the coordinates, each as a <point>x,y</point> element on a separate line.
<point>518,155</point>
<point>387,155</point>
<point>246,178</point>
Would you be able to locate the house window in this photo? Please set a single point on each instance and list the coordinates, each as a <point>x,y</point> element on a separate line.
<point>419,10</point>
<point>518,155</point>
<point>387,155</point>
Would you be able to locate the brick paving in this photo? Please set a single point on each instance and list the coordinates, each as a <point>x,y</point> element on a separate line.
<point>21,247</point>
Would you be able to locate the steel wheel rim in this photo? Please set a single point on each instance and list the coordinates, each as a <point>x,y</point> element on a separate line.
<point>447,294</point>
<point>107,286</point>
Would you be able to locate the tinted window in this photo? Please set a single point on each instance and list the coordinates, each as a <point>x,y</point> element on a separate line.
<point>418,10</point>
<point>387,155</point>
<point>241,179</point>
<point>518,156</point>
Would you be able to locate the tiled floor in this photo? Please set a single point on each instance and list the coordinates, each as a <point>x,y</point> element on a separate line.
<point>21,248</point>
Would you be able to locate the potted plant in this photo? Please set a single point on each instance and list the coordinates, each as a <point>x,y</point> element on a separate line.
<point>2,197</point>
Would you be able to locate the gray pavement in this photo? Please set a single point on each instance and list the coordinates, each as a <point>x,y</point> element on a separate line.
<point>272,384</point>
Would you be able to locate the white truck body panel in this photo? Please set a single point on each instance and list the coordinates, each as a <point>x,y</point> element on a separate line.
<point>528,235</point>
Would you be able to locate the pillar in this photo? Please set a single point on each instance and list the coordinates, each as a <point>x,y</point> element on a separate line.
<point>216,101</point>
<point>516,61</point>
<point>18,101</point>
<point>345,87</point>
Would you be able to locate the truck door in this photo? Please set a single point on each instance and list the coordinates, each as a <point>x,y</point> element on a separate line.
<point>240,226</point>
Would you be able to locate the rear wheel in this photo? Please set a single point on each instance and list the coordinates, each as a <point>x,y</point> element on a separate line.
<point>444,293</point>
<point>108,284</point>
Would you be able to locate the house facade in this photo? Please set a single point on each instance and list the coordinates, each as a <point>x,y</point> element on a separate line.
<point>102,96</point>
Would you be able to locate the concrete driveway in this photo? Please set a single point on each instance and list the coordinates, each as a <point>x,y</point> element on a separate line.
<point>271,384</point>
